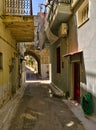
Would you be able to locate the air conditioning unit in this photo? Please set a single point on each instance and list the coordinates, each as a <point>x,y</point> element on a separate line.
<point>63,30</point>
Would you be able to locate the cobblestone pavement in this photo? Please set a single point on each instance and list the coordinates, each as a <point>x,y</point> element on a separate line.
<point>37,110</point>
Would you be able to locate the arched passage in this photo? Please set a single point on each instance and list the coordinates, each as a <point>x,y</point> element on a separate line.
<point>36,57</point>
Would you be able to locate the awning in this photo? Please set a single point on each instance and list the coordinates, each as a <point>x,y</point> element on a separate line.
<point>72,53</point>
<point>74,56</point>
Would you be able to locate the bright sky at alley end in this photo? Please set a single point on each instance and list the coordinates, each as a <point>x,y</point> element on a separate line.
<point>36,6</point>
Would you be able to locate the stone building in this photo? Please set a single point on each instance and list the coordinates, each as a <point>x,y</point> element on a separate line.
<point>65,58</point>
<point>16,25</point>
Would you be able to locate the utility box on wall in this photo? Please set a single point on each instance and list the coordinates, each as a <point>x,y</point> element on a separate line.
<point>63,30</point>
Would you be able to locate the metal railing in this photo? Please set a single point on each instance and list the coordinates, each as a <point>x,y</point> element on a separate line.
<point>17,7</point>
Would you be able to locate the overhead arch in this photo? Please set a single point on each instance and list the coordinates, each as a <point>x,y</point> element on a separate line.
<point>36,57</point>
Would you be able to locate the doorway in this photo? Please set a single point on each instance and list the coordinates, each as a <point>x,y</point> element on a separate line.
<point>77,81</point>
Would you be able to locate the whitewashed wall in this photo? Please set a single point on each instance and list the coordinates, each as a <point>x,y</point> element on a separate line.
<point>87,43</point>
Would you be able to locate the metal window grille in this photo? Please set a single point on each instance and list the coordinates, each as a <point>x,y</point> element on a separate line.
<point>18,7</point>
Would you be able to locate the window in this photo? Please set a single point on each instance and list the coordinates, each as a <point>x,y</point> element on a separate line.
<point>1,61</point>
<point>58,60</point>
<point>83,13</point>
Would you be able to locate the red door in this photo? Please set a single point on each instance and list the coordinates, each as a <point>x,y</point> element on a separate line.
<point>77,81</point>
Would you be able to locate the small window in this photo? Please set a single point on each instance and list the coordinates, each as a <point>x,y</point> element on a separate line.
<point>58,60</point>
<point>1,60</point>
<point>83,13</point>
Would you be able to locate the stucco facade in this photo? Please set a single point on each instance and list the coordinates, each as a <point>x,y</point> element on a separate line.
<point>87,43</point>
<point>9,62</point>
<point>68,45</point>
<point>66,59</point>
<point>45,63</point>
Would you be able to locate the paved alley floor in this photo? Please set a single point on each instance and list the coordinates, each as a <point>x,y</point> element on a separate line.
<point>37,110</point>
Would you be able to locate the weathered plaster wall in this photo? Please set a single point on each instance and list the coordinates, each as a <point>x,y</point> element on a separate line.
<point>45,63</point>
<point>67,45</point>
<point>59,79</point>
<point>72,35</point>
<point>8,49</point>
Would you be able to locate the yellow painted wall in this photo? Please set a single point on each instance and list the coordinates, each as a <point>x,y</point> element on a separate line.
<point>8,49</point>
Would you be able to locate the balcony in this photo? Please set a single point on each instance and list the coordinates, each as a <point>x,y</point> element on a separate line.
<point>58,12</point>
<point>18,7</point>
<point>19,20</point>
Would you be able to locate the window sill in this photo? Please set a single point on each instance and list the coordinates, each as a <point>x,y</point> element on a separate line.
<point>83,23</point>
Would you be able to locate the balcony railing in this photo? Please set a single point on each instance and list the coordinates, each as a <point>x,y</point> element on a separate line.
<point>53,5</point>
<point>17,7</point>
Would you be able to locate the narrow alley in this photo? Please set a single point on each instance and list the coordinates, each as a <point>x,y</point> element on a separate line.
<point>47,65</point>
<point>37,110</point>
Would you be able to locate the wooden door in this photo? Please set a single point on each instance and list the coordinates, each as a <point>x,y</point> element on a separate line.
<point>77,81</point>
